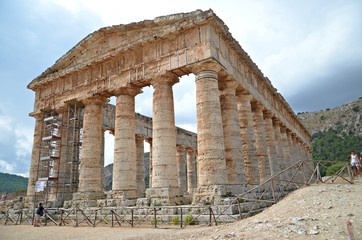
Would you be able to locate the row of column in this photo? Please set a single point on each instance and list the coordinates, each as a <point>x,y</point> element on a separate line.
<point>239,141</point>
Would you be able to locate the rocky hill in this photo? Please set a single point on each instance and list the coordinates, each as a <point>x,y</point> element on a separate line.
<point>345,119</point>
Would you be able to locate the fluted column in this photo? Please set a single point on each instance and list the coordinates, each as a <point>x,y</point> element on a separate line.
<point>248,139</point>
<point>102,157</point>
<point>35,154</point>
<point>124,183</point>
<point>140,152</point>
<point>286,150</point>
<point>191,171</point>
<point>180,156</point>
<point>90,172</point>
<point>290,149</point>
<point>164,174</point>
<point>296,157</point>
<point>260,142</point>
<point>210,135</point>
<point>271,143</point>
<point>232,136</point>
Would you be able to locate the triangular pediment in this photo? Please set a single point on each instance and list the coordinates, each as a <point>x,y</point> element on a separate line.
<point>108,41</point>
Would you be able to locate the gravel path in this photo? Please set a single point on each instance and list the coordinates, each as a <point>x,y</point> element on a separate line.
<point>314,212</point>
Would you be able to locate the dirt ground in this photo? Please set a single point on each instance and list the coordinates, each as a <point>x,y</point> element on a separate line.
<point>314,212</point>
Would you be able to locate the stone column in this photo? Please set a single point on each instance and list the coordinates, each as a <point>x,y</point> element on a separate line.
<point>35,154</point>
<point>260,141</point>
<point>212,174</point>
<point>150,168</point>
<point>232,136</point>
<point>103,156</point>
<point>124,183</point>
<point>271,143</point>
<point>164,175</point>
<point>90,173</point>
<point>140,152</point>
<point>180,156</point>
<point>248,139</point>
<point>290,150</point>
<point>286,151</point>
<point>191,171</point>
<point>296,157</point>
<point>280,152</point>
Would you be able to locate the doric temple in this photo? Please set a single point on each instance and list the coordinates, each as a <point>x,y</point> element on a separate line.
<point>246,131</point>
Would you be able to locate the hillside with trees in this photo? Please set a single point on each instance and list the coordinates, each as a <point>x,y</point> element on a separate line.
<point>335,132</point>
<point>12,183</point>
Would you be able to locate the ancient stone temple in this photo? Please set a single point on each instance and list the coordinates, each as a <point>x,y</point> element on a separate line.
<point>246,131</point>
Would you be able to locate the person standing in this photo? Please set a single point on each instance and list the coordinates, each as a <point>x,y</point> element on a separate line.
<point>355,163</point>
<point>39,212</point>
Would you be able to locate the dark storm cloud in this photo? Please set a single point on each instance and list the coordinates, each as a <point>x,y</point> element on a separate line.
<point>339,86</point>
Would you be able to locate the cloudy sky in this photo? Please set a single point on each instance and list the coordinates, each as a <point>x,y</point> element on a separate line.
<point>310,50</point>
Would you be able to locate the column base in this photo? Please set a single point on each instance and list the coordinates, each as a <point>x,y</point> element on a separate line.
<point>121,194</point>
<point>164,196</point>
<point>88,195</point>
<point>210,195</point>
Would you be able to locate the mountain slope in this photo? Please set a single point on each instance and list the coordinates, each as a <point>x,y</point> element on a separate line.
<point>12,183</point>
<point>343,119</point>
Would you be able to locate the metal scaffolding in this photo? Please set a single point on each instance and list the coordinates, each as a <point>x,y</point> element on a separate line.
<point>49,157</point>
<point>74,124</point>
<point>58,173</point>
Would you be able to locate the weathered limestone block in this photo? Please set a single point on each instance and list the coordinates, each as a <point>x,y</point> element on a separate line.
<point>143,202</point>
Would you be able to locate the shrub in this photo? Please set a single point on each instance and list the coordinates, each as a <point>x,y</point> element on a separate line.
<point>189,220</point>
<point>175,220</point>
<point>334,168</point>
<point>355,109</point>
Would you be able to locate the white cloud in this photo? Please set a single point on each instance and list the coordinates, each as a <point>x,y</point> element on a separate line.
<point>5,127</point>
<point>24,142</point>
<point>6,167</point>
<point>314,53</point>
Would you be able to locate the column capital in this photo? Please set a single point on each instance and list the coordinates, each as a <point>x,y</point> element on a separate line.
<point>167,78</point>
<point>140,137</point>
<point>257,106</point>
<point>283,129</point>
<point>38,115</point>
<point>244,96</point>
<point>210,65</point>
<point>130,90</point>
<point>267,114</point>
<point>276,121</point>
<point>97,100</point>
<point>228,86</point>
